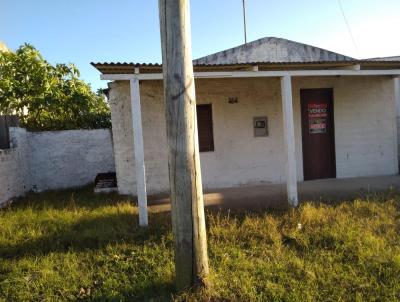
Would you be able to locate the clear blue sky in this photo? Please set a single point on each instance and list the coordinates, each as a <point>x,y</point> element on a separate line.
<point>81,31</point>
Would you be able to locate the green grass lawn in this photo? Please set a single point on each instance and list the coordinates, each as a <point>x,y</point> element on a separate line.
<point>74,245</point>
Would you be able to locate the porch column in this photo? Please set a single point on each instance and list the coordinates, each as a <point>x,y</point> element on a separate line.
<point>396,81</point>
<point>288,126</point>
<point>139,151</point>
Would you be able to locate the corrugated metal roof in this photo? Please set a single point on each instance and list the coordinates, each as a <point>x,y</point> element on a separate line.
<point>272,49</point>
<point>348,62</point>
<point>267,53</point>
<point>129,67</point>
<point>386,59</point>
<point>126,64</point>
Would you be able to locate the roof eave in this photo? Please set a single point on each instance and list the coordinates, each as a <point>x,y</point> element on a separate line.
<point>131,68</point>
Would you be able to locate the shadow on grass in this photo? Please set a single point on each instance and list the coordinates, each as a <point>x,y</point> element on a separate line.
<point>90,234</point>
<point>82,197</point>
<point>155,291</point>
<point>80,221</point>
<point>98,231</point>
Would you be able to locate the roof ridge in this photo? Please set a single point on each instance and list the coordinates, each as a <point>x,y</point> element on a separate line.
<point>293,48</point>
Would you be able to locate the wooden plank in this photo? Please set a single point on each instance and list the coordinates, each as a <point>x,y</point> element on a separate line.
<point>4,135</point>
<point>7,121</point>
<point>117,77</point>
<point>139,152</point>
<point>287,108</point>
<point>349,67</point>
<point>188,221</point>
<point>12,121</point>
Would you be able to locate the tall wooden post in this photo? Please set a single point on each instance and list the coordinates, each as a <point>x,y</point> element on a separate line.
<point>191,260</point>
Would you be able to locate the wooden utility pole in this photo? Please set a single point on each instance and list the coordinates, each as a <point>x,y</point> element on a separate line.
<point>188,222</point>
<point>244,21</point>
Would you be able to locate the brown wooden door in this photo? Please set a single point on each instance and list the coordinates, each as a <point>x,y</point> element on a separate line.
<point>318,133</point>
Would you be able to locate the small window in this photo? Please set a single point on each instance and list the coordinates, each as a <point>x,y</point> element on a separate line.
<point>205,128</point>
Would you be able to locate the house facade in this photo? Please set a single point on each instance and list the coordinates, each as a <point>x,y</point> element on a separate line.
<point>269,111</point>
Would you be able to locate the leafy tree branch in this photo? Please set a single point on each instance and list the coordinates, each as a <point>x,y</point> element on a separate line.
<point>47,97</point>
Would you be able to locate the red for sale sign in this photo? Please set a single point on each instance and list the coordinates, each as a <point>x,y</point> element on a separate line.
<point>317,117</point>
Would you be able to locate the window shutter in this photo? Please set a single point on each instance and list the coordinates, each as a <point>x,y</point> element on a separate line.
<point>205,128</point>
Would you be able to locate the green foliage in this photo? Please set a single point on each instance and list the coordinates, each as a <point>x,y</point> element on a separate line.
<point>75,245</point>
<point>47,97</point>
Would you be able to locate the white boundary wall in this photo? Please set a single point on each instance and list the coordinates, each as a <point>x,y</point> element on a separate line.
<point>66,159</point>
<point>14,166</point>
<point>53,160</point>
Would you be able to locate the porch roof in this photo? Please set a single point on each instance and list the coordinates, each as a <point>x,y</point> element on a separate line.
<point>151,68</point>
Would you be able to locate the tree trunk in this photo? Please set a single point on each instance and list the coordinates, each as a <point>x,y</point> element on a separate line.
<point>191,260</point>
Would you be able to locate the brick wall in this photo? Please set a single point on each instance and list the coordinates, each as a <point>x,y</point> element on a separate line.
<point>365,124</point>
<point>53,160</point>
<point>66,159</point>
<point>365,130</point>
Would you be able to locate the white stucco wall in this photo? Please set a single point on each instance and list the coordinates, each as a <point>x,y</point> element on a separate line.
<point>53,160</point>
<point>365,124</point>
<point>65,159</point>
<point>233,135</point>
<point>365,130</point>
<point>14,167</point>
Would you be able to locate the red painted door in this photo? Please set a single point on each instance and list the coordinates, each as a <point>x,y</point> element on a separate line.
<point>318,133</point>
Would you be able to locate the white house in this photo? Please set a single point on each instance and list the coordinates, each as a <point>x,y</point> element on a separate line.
<point>269,111</point>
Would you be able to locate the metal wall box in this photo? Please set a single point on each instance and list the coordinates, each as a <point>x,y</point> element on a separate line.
<point>260,125</point>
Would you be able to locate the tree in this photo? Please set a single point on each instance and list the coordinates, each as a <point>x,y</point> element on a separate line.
<point>47,97</point>
<point>188,221</point>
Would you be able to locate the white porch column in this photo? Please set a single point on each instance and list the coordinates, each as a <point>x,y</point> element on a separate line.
<point>139,151</point>
<point>396,81</point>
<point>288,125</point>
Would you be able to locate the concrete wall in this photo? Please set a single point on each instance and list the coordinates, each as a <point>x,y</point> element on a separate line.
<point>48,160</point>
<point>14,166</point>
<point>364,109</point>
<point>65,159</point>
